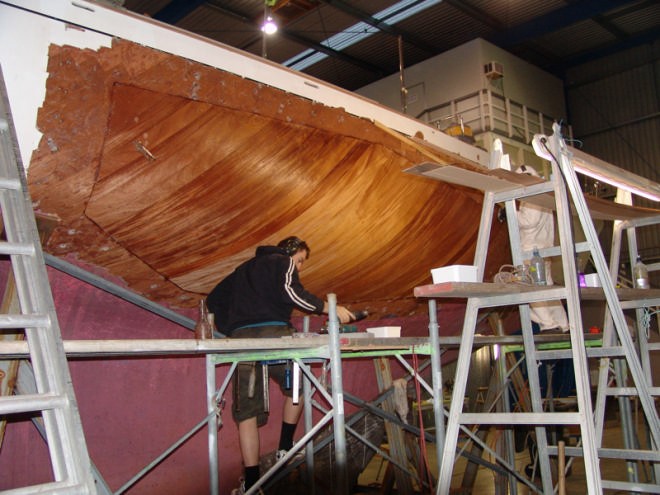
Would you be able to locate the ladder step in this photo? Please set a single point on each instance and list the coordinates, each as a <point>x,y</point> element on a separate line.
<point>24,321</point>
<point>11,184</point>
<point>623,486</point>
<point>30,403</point>
<point>55,488</point>
<point>522,295</point>
<point>632,391</point>
<point>592,352</point>
<point>17,248</point>
<point>544,418</point>
<point>610,453</point>
<point>600,352</point>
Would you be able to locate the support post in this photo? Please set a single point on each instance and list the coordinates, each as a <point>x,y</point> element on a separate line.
<point>309,423</point>
<point>341,487</point>
<point>214,484</point>
<point>436,371</point>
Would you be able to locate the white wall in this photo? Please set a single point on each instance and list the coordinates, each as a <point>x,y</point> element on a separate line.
<point>527,84</point>
<point>459,72</point>
<point>444,77</point>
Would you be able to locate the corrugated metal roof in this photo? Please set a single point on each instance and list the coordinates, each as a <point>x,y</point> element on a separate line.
<point>551,34</point>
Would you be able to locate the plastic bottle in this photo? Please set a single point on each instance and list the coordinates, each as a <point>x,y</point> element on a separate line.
<point>537,268</point>
<point>640,274</point>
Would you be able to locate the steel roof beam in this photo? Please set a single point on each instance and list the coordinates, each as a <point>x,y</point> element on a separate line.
<point>292,36</point>
<point>648,36</point>
<point>381,25</point>
<point>176,10</point>
<point>555,20</point>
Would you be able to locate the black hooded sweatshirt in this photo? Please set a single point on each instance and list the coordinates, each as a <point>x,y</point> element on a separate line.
<point>264,289</point>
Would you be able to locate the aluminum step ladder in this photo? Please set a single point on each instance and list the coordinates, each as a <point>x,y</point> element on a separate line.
<point>566,195</point>
<point>613,376</point>
<point>617,339</point>
<point>54,398</point>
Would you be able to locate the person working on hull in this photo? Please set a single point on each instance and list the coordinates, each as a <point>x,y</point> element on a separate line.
<point>256,301</point>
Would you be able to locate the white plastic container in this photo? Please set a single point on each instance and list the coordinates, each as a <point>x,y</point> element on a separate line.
<point>383,332</point>
<point>454,273</point>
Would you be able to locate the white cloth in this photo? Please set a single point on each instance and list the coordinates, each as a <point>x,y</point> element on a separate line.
<point>537,229</point>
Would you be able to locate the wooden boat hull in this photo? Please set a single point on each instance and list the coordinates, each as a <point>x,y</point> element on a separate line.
<point>166,174</point>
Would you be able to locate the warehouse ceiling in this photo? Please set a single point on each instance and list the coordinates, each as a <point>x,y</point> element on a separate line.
<point>354,43</point>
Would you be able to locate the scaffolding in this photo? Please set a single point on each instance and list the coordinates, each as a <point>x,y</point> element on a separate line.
<point>331,349</point>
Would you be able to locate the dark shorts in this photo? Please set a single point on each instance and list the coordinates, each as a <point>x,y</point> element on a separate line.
<point>248,384</point>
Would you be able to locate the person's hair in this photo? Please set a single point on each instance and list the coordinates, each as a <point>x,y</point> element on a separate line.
<point>292,245</point>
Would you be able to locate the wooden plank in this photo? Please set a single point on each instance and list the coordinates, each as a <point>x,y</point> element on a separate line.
<point>395,434</point>
<point>471,289</point>
<point>494,389</point>
<point>471,468</point>
<point>9,368</point>
<point>485,289</point>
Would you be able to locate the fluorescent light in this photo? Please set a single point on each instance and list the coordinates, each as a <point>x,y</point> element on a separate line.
<point>603,171</point>
<point>356,33</point>
<point>618,183</point>
<point>606,172</point>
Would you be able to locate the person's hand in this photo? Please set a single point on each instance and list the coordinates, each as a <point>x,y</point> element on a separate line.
<point>344,315</point>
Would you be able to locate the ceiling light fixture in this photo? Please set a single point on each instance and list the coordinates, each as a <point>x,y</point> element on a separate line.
<point>269,26</point>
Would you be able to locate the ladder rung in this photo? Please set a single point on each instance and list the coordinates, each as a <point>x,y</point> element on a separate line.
<point>31,402</point>
<point>605,453</point>
<point>24,321</point>
<point>17,248</point>
<point>13,184</point>
<point>613,351</point>
<point>625,486</point>
<point>592,352</point>
<point>653,391</point>
<point>525,296</point>
<point>543,418</point>
<point>54,488</point>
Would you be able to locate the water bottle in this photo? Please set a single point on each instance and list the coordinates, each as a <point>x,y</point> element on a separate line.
<point>641,274</point>
<point>537,268</point>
